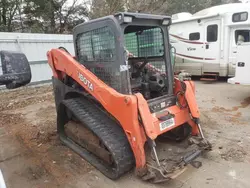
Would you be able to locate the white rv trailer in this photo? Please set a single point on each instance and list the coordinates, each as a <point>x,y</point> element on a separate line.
<point>207,42</point>
<point>35,47</point>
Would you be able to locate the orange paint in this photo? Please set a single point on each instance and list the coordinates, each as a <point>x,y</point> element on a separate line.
<point>125,108</point>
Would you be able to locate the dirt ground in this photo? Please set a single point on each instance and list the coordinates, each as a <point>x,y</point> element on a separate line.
<point>31,154</point>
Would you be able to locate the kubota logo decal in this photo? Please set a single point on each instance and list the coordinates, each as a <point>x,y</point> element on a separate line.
<point>85,81</point>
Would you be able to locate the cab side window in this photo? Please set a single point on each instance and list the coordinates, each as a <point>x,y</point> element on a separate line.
<point>96,45</point>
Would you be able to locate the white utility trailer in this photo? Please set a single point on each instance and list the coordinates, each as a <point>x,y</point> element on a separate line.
<point>35,47</point>
<point>242,72</point>
<point>206,42</point>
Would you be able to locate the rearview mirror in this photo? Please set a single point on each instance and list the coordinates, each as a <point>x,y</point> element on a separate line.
<point>15,69</point>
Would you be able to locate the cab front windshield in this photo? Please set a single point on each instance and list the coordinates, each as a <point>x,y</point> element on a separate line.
<point>144,41</point>
<point>145,54</point>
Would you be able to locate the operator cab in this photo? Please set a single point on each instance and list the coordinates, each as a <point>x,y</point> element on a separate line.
<point>129,52</point>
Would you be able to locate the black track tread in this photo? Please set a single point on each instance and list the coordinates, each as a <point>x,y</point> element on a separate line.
<point>108,131</point>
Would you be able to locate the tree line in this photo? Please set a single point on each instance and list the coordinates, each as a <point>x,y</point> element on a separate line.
<point>41,16</point>
<point>60,16</point>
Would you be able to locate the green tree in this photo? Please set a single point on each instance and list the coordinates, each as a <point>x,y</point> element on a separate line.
<point>101,8</point>
<point>168,7</point>
<point>54,16</point>
<point>60,16</point>
<point>146,6</point>
<point>8,12</point>
<point>70,15</point>
<point>42,13</point>
<point>191,6</point>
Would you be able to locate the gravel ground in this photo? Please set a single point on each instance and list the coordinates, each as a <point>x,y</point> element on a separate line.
<point>31,154</point>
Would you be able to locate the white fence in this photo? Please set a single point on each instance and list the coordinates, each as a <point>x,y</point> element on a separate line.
<point>35,47</point>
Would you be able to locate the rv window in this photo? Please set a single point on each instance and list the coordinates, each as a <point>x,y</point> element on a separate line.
<point>240,17</point>
<point>194,36</point>
<point>242,36</point>
<point>212,33</point>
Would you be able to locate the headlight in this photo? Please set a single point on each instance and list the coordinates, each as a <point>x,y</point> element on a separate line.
<point>166,22</point>
<point>127,19</point>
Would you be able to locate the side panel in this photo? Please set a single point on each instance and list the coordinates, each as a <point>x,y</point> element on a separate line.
<point>198,46</point>
<point>188,40</point>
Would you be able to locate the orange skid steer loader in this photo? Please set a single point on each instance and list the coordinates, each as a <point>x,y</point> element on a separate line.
<point>119,110</point>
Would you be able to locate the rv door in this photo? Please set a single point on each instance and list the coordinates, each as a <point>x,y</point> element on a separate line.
<point>238,36</point>
<point>212,47</point>
<point>242,75</point>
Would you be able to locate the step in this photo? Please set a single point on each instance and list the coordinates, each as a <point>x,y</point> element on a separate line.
<point>208,79</point>
<point>209,74</point>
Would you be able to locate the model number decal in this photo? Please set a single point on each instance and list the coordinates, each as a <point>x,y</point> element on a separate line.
<point>85,81</point>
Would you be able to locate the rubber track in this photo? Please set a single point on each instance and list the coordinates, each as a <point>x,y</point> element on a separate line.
<point>108,131</point>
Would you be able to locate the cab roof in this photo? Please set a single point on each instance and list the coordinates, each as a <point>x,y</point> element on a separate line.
<point>131,14</point>
<point>143,16</point>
